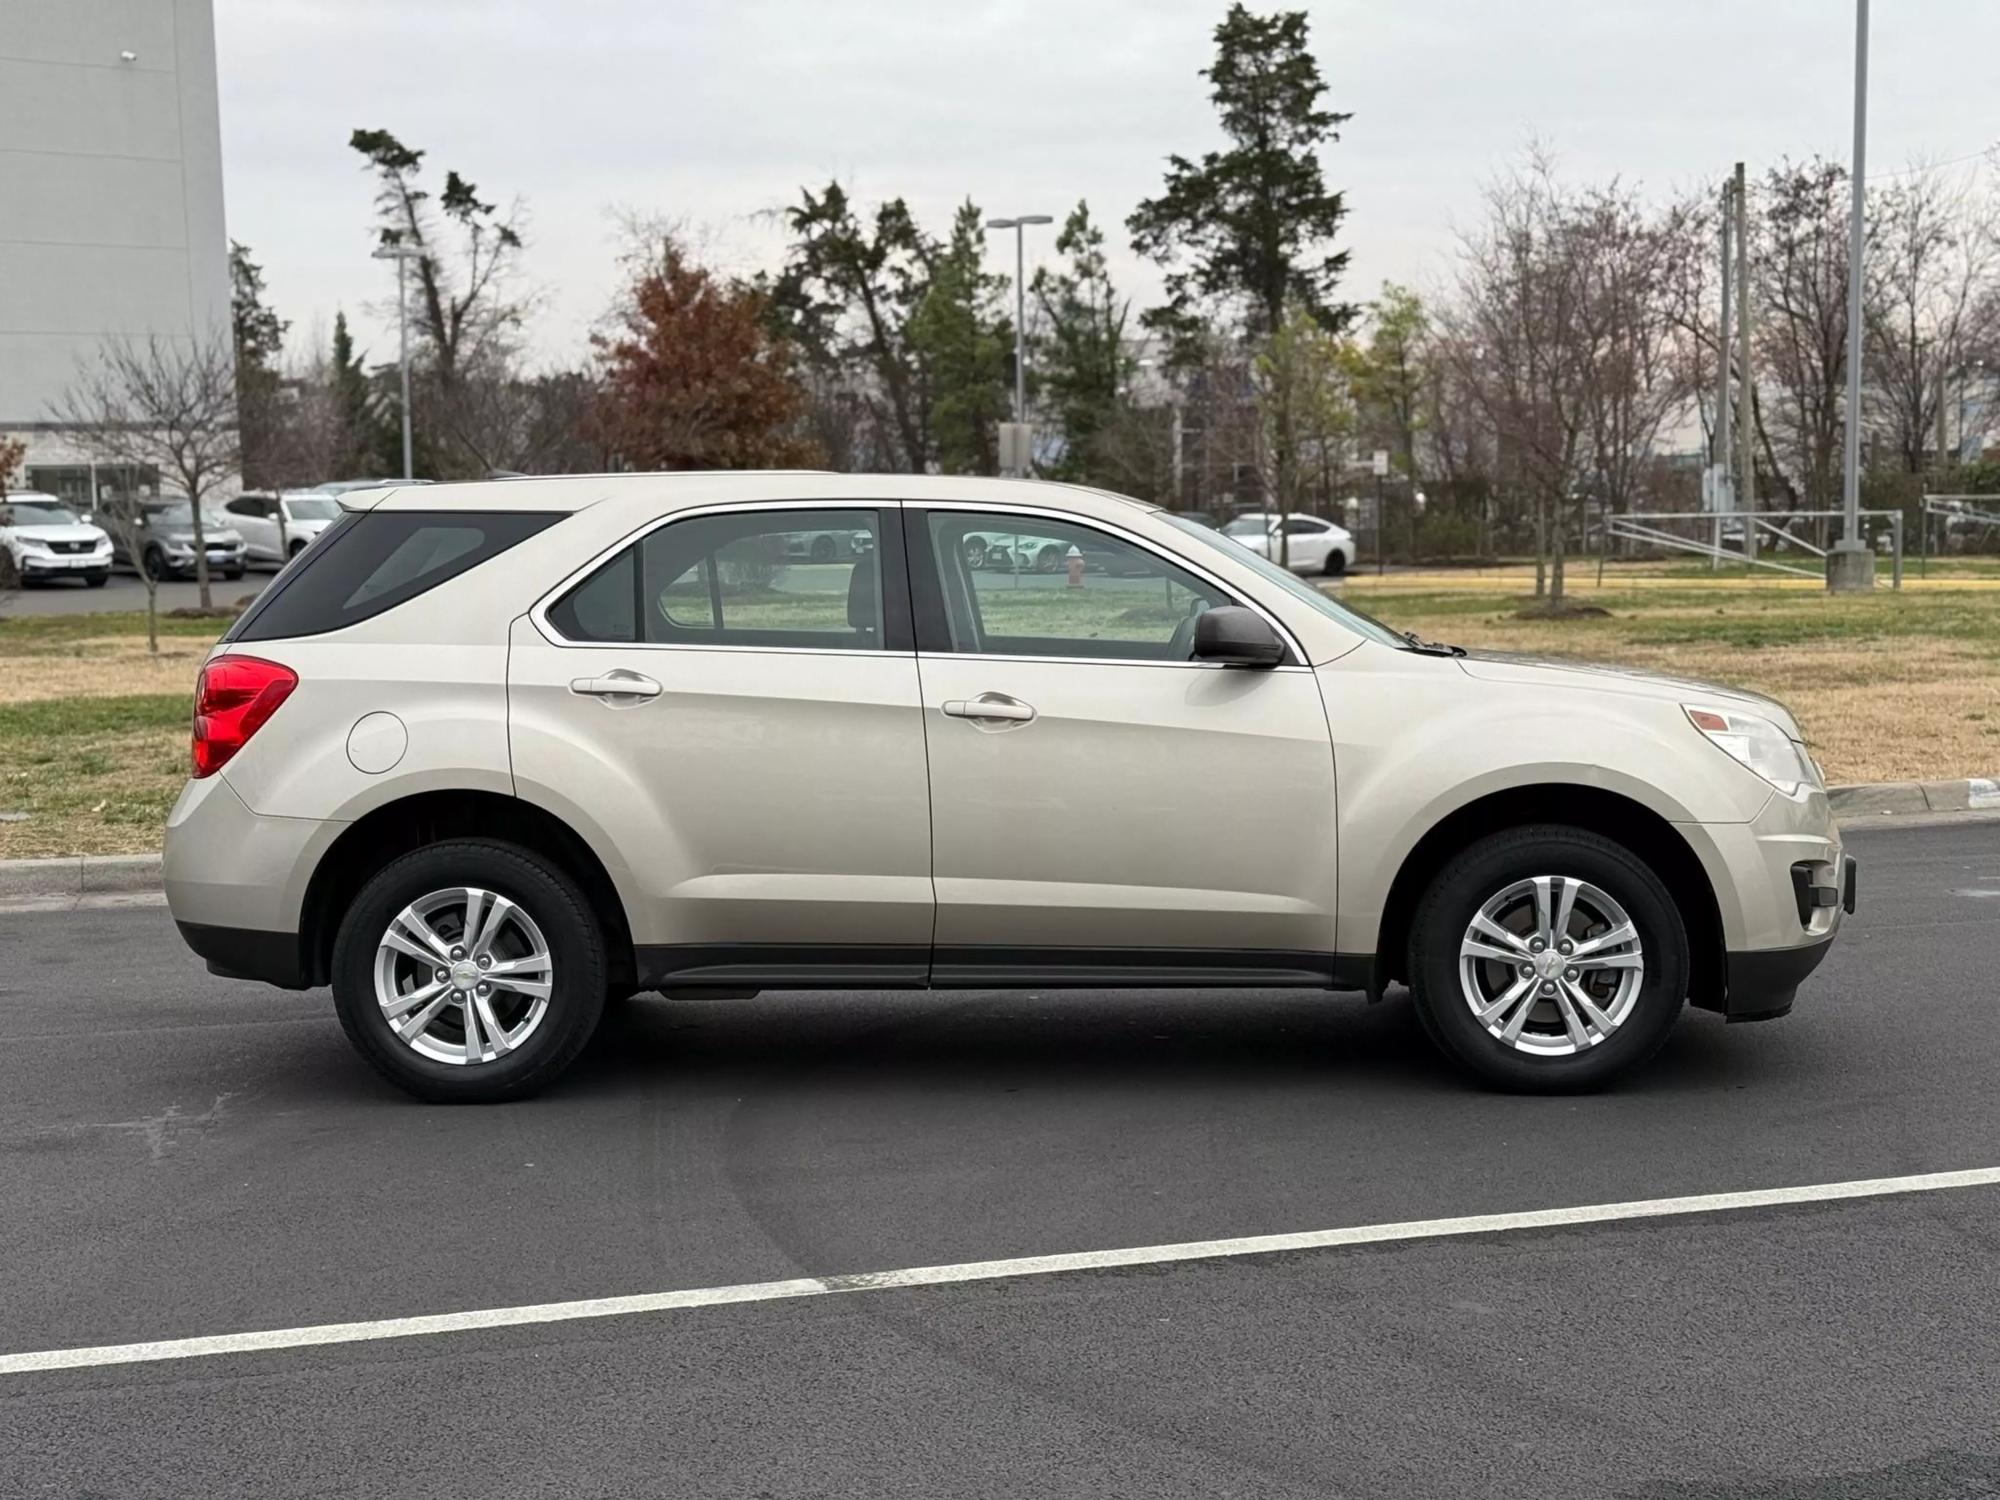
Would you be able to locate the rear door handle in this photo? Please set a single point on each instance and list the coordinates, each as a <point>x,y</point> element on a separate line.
<point>618,684</point>
<point>990,706</point>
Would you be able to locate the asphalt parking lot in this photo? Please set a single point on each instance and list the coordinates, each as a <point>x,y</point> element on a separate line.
<point>181,1157</point>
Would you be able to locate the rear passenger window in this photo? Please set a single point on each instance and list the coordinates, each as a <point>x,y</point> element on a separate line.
<point>750,578</point>
<point>372,561</point>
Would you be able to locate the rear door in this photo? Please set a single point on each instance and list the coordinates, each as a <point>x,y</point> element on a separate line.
<point>728,708</point>
<point>1102,806</point>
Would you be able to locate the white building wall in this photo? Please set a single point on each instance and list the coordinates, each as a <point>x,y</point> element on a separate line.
<point>111,214</point>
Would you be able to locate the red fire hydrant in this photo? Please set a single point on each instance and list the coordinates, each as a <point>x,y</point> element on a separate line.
<point>1075,568</point>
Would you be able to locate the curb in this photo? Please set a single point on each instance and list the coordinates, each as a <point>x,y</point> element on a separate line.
<point>1972,794</point>
<point>78,876</point>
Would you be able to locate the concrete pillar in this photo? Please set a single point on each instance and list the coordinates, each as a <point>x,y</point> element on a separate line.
<point>1850,568</point>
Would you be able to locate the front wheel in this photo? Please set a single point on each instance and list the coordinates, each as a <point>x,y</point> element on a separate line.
<point>469,972</point>
<point>97,580</point>
<point>1548,959</point>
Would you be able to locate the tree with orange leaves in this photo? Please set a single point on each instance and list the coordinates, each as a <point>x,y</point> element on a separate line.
<point>692,376</point>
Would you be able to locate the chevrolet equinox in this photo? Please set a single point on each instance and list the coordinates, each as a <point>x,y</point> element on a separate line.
<point>488,757</point>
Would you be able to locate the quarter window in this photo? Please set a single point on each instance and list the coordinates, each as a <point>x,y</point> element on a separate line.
<point>743,578</point>
<point>1026,586</point>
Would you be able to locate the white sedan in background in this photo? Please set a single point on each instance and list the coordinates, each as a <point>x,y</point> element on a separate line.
<point>1310,545</point>
<point>277,526</point>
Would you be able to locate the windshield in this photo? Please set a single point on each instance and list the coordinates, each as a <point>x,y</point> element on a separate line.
<point>1298,588</point>
<point>313,510</point>
<point>1248,526</point>
<point>35,513</point>
<point>169,513</point>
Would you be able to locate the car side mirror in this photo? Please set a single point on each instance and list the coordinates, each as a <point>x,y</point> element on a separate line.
<point>1232,636</point>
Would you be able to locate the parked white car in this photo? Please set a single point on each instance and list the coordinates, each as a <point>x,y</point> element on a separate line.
<point>277,527</point>
<point>42,538</point>
<point>1311,544</point>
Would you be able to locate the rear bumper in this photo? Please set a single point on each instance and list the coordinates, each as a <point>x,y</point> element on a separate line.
<point>246,953</point>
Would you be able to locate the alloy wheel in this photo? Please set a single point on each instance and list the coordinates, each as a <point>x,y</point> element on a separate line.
<point>1551,966</point>
<point>463,976</point>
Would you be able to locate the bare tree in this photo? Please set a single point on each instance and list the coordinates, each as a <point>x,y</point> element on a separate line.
<point>1560,331</point>
<point>1510,324</point>
<point>1799,263</point>
<point>164,404</point>
<point>1932,305</point>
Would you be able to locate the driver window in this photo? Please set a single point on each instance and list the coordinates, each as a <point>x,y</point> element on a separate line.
<point>1028,586</point>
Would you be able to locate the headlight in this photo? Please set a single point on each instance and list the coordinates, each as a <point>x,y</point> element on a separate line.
<point>31,544</point>
<point>1758,744</point>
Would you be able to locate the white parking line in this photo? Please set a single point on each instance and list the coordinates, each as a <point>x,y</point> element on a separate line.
<point>985,1270</point>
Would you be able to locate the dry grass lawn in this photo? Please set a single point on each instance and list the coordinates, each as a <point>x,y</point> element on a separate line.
<point>1888,687</point>
<point>93,727</point>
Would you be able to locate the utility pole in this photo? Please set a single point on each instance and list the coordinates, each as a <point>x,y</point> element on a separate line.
<point>1746,384</point>
<point>402,255</point>
<point>1850,566</point>
<point>1725,453</point>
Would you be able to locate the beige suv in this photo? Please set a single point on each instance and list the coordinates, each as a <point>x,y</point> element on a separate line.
<point>490,756</point>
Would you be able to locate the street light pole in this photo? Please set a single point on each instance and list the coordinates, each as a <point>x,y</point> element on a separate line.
<point>402,255</point>
<point>1018,225</point>
<point>1851,566</point>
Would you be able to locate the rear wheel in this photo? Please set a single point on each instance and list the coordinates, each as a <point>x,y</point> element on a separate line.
<point>1336,562</point>
<point>469,972</point>
<point>1548,959</point>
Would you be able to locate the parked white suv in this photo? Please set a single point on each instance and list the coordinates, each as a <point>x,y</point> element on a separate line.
<point>276,526</point>
<point>490,755</point>
<point>41,538</point>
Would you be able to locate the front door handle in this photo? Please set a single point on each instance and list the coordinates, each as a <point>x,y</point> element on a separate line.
<point>619,684</point>
<point>990,706</point>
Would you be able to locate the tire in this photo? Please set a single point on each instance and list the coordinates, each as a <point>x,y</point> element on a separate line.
<point>10,571</point>
<point>975,552</point>
<point>156,565</point>
<point>541,1049</point>
<point>1336,563</point>
<point>1546,1057</point>
<point>97,580</point>
<point>231,575</point>
<point>1049,560</point>
<point>295,549</point>
<point>823,549</point>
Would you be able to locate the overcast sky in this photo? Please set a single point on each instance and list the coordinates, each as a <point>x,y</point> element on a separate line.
<point>716,111</point>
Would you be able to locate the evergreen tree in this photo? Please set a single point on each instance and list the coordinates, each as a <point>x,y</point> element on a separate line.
<point>1080,355</point>
<point>964,341</point>
<point>1253,226</point>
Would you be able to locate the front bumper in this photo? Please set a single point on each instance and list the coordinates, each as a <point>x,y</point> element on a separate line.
<point>1782,882</point>
<point>63,564</point>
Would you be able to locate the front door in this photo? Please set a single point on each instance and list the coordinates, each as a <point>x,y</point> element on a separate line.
<point>1102,807</point>
<point>730,705</point>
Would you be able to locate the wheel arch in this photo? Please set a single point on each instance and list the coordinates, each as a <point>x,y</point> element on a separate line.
<point>424,818</point>
<point>1606,813</point>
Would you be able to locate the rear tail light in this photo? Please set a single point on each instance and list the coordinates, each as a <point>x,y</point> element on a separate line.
<point>232,698</point>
